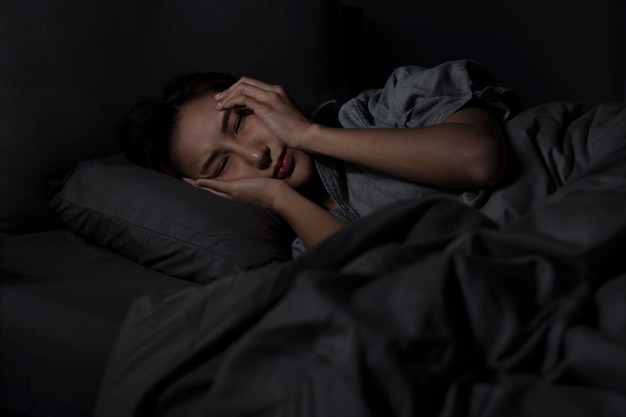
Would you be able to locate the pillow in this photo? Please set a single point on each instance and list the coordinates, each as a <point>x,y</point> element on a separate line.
<point>168,225</point>
<point>88,62</point>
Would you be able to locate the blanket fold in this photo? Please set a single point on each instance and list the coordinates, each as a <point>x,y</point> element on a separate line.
<point>426,307</point>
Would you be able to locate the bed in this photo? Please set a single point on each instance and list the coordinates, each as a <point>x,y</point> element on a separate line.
<point>125,292</point>
<point>69,70</point>
<point>427,307</point>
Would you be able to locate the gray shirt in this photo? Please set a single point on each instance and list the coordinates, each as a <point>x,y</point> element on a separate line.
<point>413,96</point>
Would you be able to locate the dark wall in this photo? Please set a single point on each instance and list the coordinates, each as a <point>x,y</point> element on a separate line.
<point>548,50</point>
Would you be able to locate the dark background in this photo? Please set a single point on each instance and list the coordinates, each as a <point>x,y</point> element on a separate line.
<point>548,50</point>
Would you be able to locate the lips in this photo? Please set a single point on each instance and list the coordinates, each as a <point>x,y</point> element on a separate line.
<point>284,165</point>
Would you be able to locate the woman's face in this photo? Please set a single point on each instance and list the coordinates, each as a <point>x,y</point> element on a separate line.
<point>233,144</point>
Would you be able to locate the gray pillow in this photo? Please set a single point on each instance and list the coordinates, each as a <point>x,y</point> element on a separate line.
<point>70,69</point>
<point>166,224</point>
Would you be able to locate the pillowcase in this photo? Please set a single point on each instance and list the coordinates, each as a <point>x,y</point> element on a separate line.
<point>89,62</point>
<point>167,225</point>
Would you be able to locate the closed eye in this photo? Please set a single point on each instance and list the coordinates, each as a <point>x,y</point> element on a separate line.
<point>239,120</point>
<point>222,167</point>
<point>237,124</point>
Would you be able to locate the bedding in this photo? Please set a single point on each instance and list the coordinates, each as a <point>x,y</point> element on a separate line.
<point>413,96</point>
<point>88,62</point>
<point>426,307</point>
<point>168,225</point>
<point>69,70</point>
<point>62,301</point>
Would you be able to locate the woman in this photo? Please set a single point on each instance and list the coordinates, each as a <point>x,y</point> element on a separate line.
<point>427,130</point>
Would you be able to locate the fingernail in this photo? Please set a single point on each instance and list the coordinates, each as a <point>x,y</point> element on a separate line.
<point>217,96</point>
<point>219,104</point>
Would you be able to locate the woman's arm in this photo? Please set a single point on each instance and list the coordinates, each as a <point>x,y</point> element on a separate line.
<point>466,150</point>
<point>308,220</point>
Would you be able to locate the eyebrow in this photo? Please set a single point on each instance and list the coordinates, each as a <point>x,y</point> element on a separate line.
<point>223,128</point>
<point>225,120</point>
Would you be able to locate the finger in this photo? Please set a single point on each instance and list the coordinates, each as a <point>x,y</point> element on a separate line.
<point>252,103</point>
<point>217,193</point>
<point>247,81</point>
<point>258,93</point>
<point>217,185</point>
<point>214,192</point>
<point>246,90</point>
<point>260,84</point>
<point>191,181</point>
<point>195,183</point>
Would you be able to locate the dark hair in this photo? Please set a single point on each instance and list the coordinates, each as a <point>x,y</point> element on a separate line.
<point>146,131</point>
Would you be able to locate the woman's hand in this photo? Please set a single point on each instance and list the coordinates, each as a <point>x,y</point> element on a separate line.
<point>310,221</point>
<point>271,104</point>
<point>261,191</point>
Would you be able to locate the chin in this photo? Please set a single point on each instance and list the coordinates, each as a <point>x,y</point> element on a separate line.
<point>293,182</point>
<point>303,170</point>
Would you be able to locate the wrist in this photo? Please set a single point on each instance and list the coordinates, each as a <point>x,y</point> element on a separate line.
<point>283,198</point>
<point>310,139</point>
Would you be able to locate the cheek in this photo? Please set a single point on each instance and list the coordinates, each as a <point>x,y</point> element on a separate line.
<point>239,170</point>
<point>184,162</point>
<point>304,171</point>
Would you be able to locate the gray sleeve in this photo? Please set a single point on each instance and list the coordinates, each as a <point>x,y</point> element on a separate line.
<point>415,96</point>
<point>297,248</point>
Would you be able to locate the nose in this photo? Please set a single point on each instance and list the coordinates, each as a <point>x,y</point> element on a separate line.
<point>256,155</point>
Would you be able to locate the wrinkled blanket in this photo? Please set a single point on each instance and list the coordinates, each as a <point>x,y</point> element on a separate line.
<point>425,308</point>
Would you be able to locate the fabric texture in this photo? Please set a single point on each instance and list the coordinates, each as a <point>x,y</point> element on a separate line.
<point>416,96</point>
<point>166,224</point>
<point>70,70</point>
<point>552,145</point>
<point>426,308</point>
<point>413,96</point>
<point>62,302</point>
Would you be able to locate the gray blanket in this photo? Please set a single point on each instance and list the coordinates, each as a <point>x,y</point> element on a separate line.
<point>426,307</point>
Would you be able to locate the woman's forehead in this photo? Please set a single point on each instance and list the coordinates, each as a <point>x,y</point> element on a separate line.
<point>198,131</point>
<point>199,117</point>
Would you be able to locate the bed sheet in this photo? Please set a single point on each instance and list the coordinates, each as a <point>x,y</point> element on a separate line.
<point>62,302</point>
<point>427,307</point>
